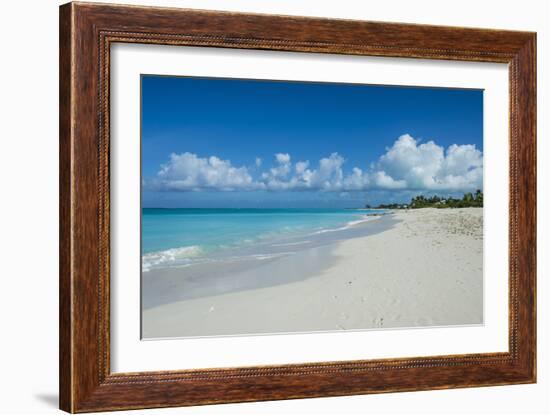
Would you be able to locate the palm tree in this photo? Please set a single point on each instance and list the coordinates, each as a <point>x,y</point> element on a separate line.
<point>479,197</point>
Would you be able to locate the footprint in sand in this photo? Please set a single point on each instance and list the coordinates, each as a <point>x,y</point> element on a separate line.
<point>379,322</point>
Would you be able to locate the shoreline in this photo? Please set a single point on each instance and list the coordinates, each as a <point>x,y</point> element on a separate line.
<point>364,282</point>
<point>252,268</point>
<point>192,239</point>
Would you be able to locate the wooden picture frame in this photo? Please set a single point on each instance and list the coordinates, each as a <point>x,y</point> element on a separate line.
<point>86,33</point>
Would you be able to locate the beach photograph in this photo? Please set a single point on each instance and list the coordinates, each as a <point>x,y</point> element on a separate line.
<point>273,207</point>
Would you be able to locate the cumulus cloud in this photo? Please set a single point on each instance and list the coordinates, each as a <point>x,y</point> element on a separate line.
<point>428,166</point>
<point>187,171</point>
<point>282,158</point>
<point>281,170</point>
<point>301,166</point>
<point>407,165</point>
<point>381,180</point>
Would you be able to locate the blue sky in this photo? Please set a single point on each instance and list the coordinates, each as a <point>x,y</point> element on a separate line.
<point>210,142</point>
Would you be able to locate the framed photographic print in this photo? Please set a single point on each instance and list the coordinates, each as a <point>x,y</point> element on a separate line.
<point>261,207</point>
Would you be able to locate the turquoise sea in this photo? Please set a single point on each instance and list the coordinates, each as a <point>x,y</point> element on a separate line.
<point>182,237</point>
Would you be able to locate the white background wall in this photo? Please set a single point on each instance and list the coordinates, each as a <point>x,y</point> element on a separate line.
<point>29,192</point>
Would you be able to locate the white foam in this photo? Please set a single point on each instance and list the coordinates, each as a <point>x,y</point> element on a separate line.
<point>169,257</point>
<point>348,225</point>
<point>291,243</point>
<point>363,220</point>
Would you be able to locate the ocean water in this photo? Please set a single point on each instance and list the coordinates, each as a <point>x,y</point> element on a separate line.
<point>183,237</point>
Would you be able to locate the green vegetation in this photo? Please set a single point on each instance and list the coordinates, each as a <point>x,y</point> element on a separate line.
<point>468,200</point>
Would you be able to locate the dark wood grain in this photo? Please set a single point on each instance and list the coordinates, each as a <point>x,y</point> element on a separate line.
<point>65,246</point>
<point>86,33</point>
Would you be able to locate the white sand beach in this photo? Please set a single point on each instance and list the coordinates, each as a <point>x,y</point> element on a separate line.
<point>424,269</point>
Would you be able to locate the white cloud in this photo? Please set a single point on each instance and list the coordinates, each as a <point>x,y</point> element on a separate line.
<point>301,167</point>
<point>406,165</point>
<point>281,170</point>
<point>382,181</point>
<point>357,180</point>
<point>329,175</point>
<point>282,158</point>
<point>186,172</point>
<point>428,166</point>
